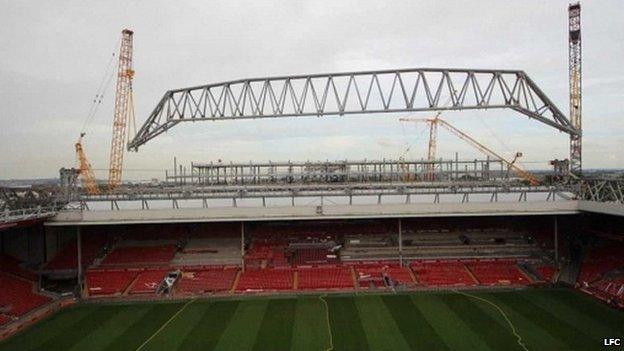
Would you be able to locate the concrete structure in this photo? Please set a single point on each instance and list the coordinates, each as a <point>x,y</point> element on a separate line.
<point>225,214</point>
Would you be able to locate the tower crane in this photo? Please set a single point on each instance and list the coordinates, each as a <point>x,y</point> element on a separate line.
<point>123,108</point>
<point>574,48</point>
<point>474,143</point>
<point>433,140</point>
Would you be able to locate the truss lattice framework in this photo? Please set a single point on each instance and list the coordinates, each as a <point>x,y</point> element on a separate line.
<point>603,190</point>
<point>406,90</point>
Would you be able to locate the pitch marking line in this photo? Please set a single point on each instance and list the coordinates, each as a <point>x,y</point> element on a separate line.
<point>164,325</point>
<point>331,339</point>
<point>513,328</point>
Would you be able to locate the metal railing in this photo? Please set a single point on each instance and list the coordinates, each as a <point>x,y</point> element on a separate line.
<point>24,214</point>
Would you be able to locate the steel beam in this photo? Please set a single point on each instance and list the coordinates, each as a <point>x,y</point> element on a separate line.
<point>353,93</point>
<point>602,190</point>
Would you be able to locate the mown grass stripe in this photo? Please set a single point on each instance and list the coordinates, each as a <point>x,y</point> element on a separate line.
<point>579,319</point>
<point>548,319</point>
<point>204,333</point>
<point>346,325</point>
<point>277,325</point>
<point>455,333</point>
<point>33,337</point>
<point>497,337</point>
<point>165,324</point>
<point>99,338</point>
<point>243,327</point>
<point>382,332</point>
<point>415,329</point>
<point>573,338</point>
<point>143,328</point>
<point>181,326</point>
<point>80,329</point>
<point>310,330</point>
<point>587,306</point>
<point>533,336</point>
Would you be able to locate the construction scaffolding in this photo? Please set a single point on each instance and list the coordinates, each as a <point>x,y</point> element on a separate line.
<point>327,172</point>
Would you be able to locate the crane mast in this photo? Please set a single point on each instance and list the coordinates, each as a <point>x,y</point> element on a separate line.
<point>574,46</point>
<point>123,107</point>
<point>433,146</point>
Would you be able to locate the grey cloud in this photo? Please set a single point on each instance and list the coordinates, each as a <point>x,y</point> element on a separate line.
<point>52,57</point>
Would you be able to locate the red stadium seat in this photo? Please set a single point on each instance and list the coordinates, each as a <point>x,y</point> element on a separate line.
<point>67,257</point>
<point>599,261</point>
<point>109,282</point>
<point>206,280</point>
<point>373,274</point>
<point>148,281</point>
<point>325,278</point>
<point>12,265</point>
<point>4,319</point>
<point>265,279</point>
<point>17,295</point>
<point>497,272</point>
<point>442,273</point>
<point>546,272</point>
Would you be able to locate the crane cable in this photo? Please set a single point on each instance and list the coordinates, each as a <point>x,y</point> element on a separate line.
<point>103,87</point>
<point>409,146</point>
<point>500,141</point>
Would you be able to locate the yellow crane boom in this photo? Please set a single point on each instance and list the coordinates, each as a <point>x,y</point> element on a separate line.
<point>474,143</point>
<point>85,171</point>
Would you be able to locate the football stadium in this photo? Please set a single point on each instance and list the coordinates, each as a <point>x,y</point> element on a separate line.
<point>436,253</point>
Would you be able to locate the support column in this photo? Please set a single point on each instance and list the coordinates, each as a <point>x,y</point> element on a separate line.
<point>400,244</point>
<point>556,237</point>
<point>243,246</point>
<point>79,263</point>
<point>45,245</point>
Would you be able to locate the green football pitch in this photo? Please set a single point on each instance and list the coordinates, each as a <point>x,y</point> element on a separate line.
<point>538,319</point>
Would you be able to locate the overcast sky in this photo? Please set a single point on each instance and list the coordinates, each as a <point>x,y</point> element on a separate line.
<point>53,55</point>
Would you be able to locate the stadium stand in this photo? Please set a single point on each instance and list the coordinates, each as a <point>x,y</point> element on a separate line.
<point>148,281</point>
<point>17,296</point>
<point>373,274</point>
<point>4,319</point>
<point>265,279</point>
<point>436,244</point>
<point>202,280</point>
<point>312,278</point>
<point>497,272</point>
<point>66,258</point>
<point>266,252</point>
<point>140,256</point>
<point>442,273</point>
<point>307,256</point>
<point>610,290</point>
<point>209,251</point>
<point>546,272</point>
<point>151,232</point>
<point>10,264</point>
<point>109,281</point>
<point>598,261</point>
<point>319,256</point>
<point>602,273</point>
